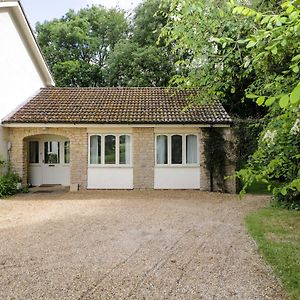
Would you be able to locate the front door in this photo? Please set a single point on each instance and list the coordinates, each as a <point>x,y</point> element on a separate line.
<point>51,166</point>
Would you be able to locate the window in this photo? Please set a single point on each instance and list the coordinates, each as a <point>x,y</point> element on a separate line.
<point>124,149</point>
<point>191,149</point>
<point>34,152</point>
<point>176,149</point>
<point>95,149</point>
<point>51,152</point>
<point>67,152</point>
<point>110,149</point>
<point>162,149</point>
<point>115,149</point>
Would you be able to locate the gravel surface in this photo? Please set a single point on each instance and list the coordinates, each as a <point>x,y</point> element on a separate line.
<point>131,245</point>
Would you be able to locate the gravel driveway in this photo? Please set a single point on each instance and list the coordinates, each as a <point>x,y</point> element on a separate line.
<point>131,245</point>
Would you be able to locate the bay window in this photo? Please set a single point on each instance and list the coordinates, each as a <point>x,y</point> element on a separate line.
<point>110,149</point>
<point>177,149</point>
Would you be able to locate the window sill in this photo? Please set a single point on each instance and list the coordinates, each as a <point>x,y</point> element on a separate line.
<point>110,166</point>
<point>177,166</point>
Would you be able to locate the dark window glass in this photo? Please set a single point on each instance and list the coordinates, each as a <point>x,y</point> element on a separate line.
<point>52,152</point>
<point>176,141</point>
<point>110,149</point>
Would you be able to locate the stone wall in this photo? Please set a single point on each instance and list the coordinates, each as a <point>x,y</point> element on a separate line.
<point>204,173</point>
<point>143,155</point>
<point>78,154</point>
<point>143,158</point>
<point>230,164</point>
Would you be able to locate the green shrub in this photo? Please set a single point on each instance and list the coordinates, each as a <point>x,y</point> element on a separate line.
<point>8,184</point>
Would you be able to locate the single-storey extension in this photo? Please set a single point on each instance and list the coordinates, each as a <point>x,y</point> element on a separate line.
<point>115,138</point>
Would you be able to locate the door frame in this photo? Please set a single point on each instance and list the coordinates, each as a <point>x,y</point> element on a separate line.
<point>39,173</point>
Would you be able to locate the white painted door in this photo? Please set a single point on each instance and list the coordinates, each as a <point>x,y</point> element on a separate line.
<point>49,162</point>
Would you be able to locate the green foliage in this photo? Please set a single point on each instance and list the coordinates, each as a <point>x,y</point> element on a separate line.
<point>132,65</point>
<point>275,53</point>
<point>77,45</point>
<point>205,35</point>
<point>237,53</point>
<point>8,184</point>
<point>138,60</point>
<point>277,233</point>
<point>102,47</point>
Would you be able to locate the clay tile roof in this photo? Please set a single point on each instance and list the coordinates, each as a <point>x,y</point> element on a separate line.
<point>118,106</point>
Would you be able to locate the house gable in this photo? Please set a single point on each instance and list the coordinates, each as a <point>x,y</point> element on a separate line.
<point>23,69</point>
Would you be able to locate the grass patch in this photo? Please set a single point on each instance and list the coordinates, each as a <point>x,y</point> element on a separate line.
<point>277,233</point>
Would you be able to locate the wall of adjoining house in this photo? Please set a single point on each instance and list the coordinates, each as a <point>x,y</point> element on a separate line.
<point>18,75</point>
<point>3,144</point>
<point>143,155</point>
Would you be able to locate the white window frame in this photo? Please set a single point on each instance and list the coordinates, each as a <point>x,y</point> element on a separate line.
<point>169,151</point>
<point>41,142</point>
<point>117,151</point>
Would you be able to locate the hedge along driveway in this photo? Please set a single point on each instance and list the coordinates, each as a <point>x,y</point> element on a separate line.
<point>131,245</point>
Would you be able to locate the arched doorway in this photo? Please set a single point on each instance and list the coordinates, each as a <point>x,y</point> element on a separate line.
<point>48,158</point>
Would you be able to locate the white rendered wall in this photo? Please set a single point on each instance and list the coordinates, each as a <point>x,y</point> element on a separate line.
<point>110,178</point>
<point>177,177</point>
<point>19,78</point>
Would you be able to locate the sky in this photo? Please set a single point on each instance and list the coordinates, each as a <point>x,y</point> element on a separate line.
<point>39,11</point>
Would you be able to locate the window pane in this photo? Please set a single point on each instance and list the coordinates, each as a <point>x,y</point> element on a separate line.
<point>51,152</point>
<point>191,149</point>
<point>34,152</point>
<point>67,152</point>
<point>110,149</point>
<point>124,149</point>
<point>95,149</point>
<point>176,149</point>
<point>162,149</point>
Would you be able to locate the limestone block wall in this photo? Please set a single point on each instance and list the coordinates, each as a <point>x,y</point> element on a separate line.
<point>78,151</point>
<point>143,158</point>
<point>143,155</point>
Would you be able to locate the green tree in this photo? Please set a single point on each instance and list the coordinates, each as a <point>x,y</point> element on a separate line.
<point>139,60</point>
<point>274,49</point>
<point>249,54</point>
<point>202,34</point>
<point>77,45</point>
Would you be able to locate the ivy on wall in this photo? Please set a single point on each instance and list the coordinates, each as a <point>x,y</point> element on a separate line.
<point>215,157</point>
